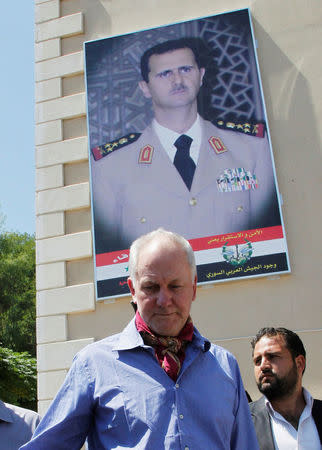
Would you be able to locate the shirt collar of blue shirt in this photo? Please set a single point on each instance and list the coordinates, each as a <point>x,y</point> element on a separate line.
<point>5,413</point>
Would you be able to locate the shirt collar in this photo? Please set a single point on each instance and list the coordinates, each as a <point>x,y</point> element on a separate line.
<point>5,413</point>
<point>168,137</point>
<point>130,338</point>
<point>307,397</point>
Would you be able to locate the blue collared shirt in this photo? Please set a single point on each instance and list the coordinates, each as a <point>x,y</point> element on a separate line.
<point>16,425</point>
<point>118,396</point>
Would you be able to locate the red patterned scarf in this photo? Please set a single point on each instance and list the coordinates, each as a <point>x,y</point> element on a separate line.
<point>169,351</point>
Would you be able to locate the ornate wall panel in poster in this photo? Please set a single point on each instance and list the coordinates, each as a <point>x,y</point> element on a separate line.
<point>198,81</point>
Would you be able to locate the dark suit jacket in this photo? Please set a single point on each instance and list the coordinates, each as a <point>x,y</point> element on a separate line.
<point>263,426</point>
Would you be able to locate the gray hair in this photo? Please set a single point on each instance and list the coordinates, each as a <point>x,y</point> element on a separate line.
<point>160,233</point>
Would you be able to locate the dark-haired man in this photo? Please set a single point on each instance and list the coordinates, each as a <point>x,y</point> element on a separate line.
<point>159,384</point>
<point>286,417</point>
<point>182,173</point>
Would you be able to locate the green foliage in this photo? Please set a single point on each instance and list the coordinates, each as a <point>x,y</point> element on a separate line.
<point>18,378</point>
<point>17,292</point>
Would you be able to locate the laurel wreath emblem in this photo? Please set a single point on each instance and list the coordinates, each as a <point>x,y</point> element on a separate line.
<point>239,255</point>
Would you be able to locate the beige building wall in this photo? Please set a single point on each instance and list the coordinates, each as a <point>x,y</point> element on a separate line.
<point>289,35</point>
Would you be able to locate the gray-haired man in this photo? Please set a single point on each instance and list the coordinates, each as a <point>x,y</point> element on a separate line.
<point>158,384</point>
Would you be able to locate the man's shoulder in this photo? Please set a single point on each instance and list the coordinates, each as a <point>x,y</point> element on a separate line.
<point>19,412</point>
<point>230,136</point>
<point>206,346</point>
<point>126,338</point>
<point>221,352</point>
<point>257,405</point>
<point>20,424</point>
<point>226,360</point>
<point>123,145</point>
<point>317,407</point>
<point>241,128</point>
<point>106,344</point>
<point>317,415</point>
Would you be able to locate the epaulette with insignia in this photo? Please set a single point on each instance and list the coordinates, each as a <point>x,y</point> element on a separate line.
<point>253,129</point>
<point>102,150</point>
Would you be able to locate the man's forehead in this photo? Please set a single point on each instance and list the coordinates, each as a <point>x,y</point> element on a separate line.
<point>270,343</point>
<point>160,253</point>
<point>184,54</point>
<point>149,276</point>
<point>158,248</point>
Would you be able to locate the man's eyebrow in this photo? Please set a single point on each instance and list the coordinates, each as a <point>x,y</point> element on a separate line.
<point>176,281</point>
<point>269,353</point>
<point>164,70</point>
<point>148,280</point>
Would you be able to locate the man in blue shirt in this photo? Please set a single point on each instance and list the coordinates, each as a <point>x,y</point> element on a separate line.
<point>158,384</point>
<point>16,425</point>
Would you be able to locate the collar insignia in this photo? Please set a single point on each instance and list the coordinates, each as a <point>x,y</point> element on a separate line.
<point>146,154</point>
<point>217,144</point>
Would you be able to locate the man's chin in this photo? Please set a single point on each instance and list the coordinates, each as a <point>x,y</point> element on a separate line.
<point>167,326</point>
<point>265,387</point>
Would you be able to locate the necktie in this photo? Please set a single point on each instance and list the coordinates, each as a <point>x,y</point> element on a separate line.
<point>183,161</point>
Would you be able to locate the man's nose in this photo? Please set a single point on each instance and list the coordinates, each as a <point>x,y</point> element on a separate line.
<point>164,297</point>
<point>265,364</point>
<point>177,77</point>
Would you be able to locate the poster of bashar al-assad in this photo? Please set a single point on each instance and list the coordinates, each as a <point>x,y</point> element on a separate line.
<point>178,138</point>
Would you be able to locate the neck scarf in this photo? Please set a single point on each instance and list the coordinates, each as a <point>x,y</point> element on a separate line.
<point>169,350</point>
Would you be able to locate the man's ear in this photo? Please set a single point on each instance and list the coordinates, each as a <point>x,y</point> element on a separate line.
<point>300,363</point>
<point>131,287</point>
<point>143,85</point>
<point>202,74</point>
<point>132,290</point>
<point>194,288</point>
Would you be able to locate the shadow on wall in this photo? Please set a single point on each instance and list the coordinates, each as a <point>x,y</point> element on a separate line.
<point>98,21</point>
<point>295,140</point>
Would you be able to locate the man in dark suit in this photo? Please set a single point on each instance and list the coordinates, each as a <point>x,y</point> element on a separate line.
<point>286,417</point>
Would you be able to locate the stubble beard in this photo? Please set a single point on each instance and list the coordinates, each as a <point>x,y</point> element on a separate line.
<point>279,387</point>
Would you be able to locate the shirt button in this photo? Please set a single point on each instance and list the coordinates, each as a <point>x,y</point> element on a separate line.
<point>192,201</point>
<point>240,209</point>
<point>177,386</point>
<point>181,416</point>
<point>142,219</point>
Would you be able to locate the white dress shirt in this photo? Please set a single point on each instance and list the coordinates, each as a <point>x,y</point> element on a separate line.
<point>168,137</point>
<point>286,437</point>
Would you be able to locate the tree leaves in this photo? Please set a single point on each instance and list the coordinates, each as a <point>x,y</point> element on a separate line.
<point>18,377</point>
<point>17,292</point>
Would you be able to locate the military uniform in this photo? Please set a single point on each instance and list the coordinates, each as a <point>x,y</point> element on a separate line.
<point>137,189</point>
